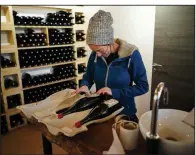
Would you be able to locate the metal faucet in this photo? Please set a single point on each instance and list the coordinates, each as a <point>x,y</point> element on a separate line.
<point>152,138</point>
<point>161,88</point>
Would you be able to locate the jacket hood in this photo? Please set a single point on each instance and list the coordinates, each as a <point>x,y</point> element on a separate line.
<point>125,48</point>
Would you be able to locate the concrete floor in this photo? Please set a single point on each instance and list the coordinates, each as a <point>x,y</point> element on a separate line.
<point>25,140</point>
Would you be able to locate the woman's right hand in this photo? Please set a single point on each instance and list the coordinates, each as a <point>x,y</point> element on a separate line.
<point>83,89</point>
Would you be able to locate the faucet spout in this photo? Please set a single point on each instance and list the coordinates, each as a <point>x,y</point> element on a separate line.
<point>152,138</point>
<point>161,88</point>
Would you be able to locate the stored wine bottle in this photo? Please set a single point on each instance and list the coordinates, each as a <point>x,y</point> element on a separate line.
<point>27,20</point>
<point>6,63</point>
<point>2,104</point>
<point>29,31</point>
<point>81,68</point>
<point>65,13</point>
<point>80,34</point>
<point>31,39</point>
<point>58,38</point>
<point>17,19</point>
<point>41,79</point>
<point>79,19</point>
<point>16,120</point>
<point>26,80</point>
<point>31,95</point>
<point>81,105</point>
<point>14,13</point>
<point>81,52</point>
<point>4,127</point>
<point>13,101</point>
<point>9,83</point>
<point>79,38</point>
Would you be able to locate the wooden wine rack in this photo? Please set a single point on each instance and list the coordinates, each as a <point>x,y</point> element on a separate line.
<point>10,28</point>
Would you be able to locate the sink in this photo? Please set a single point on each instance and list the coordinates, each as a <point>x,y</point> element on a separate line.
<point>176,137</point>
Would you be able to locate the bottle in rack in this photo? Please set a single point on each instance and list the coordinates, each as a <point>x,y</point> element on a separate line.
<point>26,80</point>
<point>9,83</point>
<point>81,68</point>
<point>29,39</point>
<point>80,36</point>
<point>58,38</point>
<point>45,56</point>
<point>16,120</point>
<point>79,19</point>
<point>6,63</point>
<point>2,104</point>
<point>40,93</point>
<point>13,101</point>
<point>4,127</point>
<point>17,19</point>
<point>60,18</point>
<point>64,71</point>
<point>27,20</point>
<point>81,52</point>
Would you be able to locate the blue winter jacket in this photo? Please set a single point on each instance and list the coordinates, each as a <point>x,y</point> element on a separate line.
<point>117,77</point>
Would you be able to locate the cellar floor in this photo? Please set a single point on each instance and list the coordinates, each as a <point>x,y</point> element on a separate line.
<point>25,140</point>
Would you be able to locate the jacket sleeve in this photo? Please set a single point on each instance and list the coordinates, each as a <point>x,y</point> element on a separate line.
<point>88,77</point>
<point>139,77</point>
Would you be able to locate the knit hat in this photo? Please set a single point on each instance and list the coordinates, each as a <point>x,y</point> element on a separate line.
<point>100,31</point>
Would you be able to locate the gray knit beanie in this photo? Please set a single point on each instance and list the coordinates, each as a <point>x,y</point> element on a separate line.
<point>100,31</point>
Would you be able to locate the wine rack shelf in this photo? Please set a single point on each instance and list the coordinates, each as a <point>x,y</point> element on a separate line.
<point>12,91</point>
<point>12,48</point>
<point>7,47</point>
<point>10,70</point>
<point>8,50</point>
<point>6,27</point>
<point>13,111</point>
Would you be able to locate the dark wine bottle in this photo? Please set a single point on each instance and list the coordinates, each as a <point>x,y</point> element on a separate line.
<point>13,101</point>
<point>79,19</point>
<point>2,104</point>
<point>31,39</point>
<point>26,80</point>
<point>16,120</point>
<point>81,68</point>
<point>81,105</point>
<point>99,112</point>
<point>9,83</point>
<point>29,31</point>
<point>4,127</point>
<point>6,62</point>
<point>79,38</point>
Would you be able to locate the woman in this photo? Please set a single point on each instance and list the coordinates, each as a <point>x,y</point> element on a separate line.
<point>113,65</point>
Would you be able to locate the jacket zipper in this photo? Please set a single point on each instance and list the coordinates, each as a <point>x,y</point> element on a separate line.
<point>108,66</point>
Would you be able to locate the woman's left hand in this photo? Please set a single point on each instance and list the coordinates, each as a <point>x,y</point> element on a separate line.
<point>105,90</point>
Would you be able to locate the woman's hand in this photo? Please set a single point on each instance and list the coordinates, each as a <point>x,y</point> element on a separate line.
<point>83,89</point>
<point>105,90</point>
